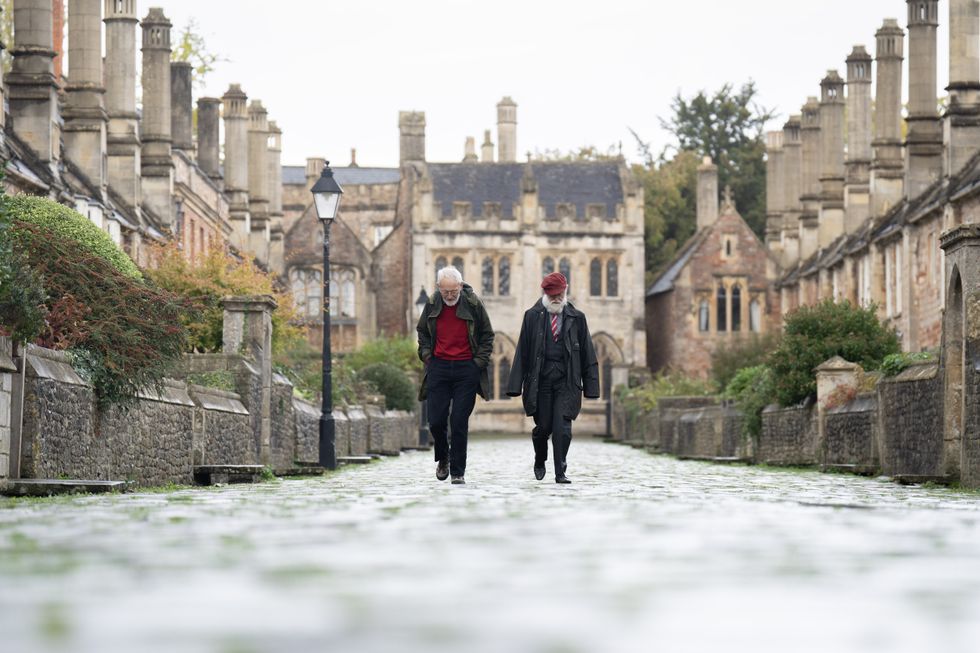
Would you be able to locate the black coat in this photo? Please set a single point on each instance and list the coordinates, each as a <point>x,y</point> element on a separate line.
<point>581,365</point>
<point>478,330</point>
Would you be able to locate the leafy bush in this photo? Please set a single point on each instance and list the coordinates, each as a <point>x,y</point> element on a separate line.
<point>746,352</point>
<point>400,351</point>
<point>22,296</point>
<point>816,333</point>
<point>123,334</point>
<point>752,390</point>
<point>893,364</point>
<point>67,223</point>
<point>392,382</point>
<point>643,398</point>
<point>209,278</point>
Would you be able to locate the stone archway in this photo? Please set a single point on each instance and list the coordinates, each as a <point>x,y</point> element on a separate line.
<point>608,354</point>
<point>953,368</point>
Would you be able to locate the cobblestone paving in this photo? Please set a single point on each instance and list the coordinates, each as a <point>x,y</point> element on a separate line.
<point>641,553</point>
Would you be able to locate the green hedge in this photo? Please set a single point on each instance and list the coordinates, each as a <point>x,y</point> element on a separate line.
<point>70,224</point>
<point>22,296</point>
<point>393,383</point>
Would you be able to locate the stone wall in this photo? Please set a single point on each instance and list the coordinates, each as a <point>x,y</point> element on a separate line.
<point>788,437</point>
<point>669,411</point>
<point>910,422</point>
<point>7,370</point>
<point>307,421</point>
<point>358,431</point>
<point>849,434</point>
<point>221,428</point>
<point>283,425</point>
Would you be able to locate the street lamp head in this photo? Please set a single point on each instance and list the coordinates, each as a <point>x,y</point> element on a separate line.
<point>326,194</point>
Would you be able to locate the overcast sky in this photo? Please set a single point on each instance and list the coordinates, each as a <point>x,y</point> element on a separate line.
<point>335,74</point>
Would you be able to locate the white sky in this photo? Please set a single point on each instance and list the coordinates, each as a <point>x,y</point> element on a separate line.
<point>335,74</point>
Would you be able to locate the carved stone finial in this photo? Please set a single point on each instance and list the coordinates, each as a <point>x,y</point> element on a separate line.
<point>727,198</point>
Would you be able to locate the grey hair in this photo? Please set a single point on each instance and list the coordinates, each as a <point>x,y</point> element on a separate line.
<point>449,272</point>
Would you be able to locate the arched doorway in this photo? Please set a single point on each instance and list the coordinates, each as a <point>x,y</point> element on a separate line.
<point>608,354</point>
<point>953,389</point>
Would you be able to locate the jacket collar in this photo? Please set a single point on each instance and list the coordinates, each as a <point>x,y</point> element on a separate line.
<point>467,299</point>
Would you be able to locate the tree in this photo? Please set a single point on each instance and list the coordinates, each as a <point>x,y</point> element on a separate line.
<point>727,126</point>
<point>6,33</point>
<point>583,153</point>
<point>190,46</point>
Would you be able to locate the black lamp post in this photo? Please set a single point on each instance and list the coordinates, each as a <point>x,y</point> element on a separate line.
<point>420,303</point>
<point>326,198</point>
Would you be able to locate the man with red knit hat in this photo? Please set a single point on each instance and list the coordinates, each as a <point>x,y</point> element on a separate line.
<point>554,365</point>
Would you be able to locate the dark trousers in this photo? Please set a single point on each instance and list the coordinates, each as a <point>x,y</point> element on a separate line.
<point>452,388</point>
<point>549,420</point>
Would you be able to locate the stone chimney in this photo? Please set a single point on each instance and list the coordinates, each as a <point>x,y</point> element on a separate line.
<point>31,83</point>
<point>157,164</point>
<point>411,128</point>
<point>924,139</point>
<point>469,150</point>
<point>258,180</point>
<point>707,199</point>
<point>182,105</point>
<point>486,151</point>
<point>277,262</point>
<point>961,128</point>
<point>208,136</point>
<point>124,164</point>
<point>887,167</point>
<point>792,209</point>
<point>314,167</point>
<point>775,185</point>
<point>858,164</point>
<point>235,115</point>
<point>507,130</point>
<point>85,115</point>
<point>810,167</point>
<point>831,218</point>
<point>353,158</point>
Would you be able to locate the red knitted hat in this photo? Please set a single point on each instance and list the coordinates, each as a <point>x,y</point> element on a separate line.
<point>554,283</point>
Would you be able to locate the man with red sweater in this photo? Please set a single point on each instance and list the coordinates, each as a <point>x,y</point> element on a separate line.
<point>455,343</point>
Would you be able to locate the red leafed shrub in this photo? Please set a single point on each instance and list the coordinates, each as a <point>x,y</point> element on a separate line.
<point>65,324</point>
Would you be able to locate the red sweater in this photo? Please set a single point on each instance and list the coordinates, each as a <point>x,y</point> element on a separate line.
<point>452,341</point>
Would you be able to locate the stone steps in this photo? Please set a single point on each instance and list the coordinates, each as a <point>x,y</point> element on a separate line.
<point>354,460</point>
<point>43,487</point>
<point>212,474</point>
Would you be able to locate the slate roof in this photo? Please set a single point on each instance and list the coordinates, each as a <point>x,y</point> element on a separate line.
<point>665,282</point>
<point>578,183</point>
<point>354,176</point>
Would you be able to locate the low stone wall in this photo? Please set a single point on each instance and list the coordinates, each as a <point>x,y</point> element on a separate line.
<point>358,431</point>
<point>849,434</point>
<point>734,443</point>
<point>384,436</point>
<point>788,437</point>
<point>282,436</point>
<point>306,418</point>
<point>7,370</point>
<point>669,411</point>
<point>341,433</point>
<point>221,428</point>
<point>910,422</point>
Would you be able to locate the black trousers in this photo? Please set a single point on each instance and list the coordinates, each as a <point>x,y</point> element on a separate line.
<point>549,420</point>
<point>452,388</point>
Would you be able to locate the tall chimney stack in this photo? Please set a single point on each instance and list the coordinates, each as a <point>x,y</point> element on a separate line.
<point>707,199</point>
<point>208,136</point>
<point>831,218</point>
<point>469,150</point>
<point>858,164</point>
<point>32,86</point>
<point>85,115</point>
<point>810,167</point>
<point>924,140</point>
<point>182,105</point>
<point>236,162</point>
<point>507,130</point>
<point>792,209</point>
<point>961,125</point>
<point>411,128</point>
<point>157,164</point>
<point>314,168</point>
<point>887,167</point>
<point>277,262</point>
<point>124,147</point>
<point>775,185</point>
<point>258,180</point>
<point>486,152</point>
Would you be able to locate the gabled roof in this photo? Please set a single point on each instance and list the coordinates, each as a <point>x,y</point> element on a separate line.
<point>665,282</point>
<point>296,175</point>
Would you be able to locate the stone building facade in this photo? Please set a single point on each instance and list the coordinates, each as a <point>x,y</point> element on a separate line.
<point>902,189</point>
<point>504,224</point>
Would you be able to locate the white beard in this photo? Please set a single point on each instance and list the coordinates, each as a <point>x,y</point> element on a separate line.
<point>554,308</point>
<point>452,303</point>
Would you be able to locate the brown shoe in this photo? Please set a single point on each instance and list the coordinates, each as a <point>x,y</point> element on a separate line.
<point>442,470</point>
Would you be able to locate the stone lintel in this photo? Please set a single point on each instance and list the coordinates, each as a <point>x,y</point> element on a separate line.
<point>965,235</point>
<point>249,303</point>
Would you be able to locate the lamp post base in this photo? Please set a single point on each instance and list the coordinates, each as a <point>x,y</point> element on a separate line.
<point>328,442</point>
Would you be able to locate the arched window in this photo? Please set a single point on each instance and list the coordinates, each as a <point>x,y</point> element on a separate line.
<point>342,293</point>
<point>504,377</point>
<point>606,378</point>
<point>721,309</point>
<point>703,317</point>
<point>755,316</point>
<point>736,307</point>
<point>307,287</point>
<point>440,264</point>
<point>595,278</point>
<point>487,276</point>
<point>458,264</point>
<point>565,267</point>
<point>547,266</point>
<point>503,276</point>
<point>612,278</point>
<point>499,370</point>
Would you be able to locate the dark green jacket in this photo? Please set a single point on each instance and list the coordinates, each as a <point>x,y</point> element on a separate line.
<point>478,329</point>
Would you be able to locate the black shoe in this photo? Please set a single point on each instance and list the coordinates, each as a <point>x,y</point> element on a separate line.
<point>562,479</point>
<point>458,480</point>
<point>442,470</point>
<point>539,472</point>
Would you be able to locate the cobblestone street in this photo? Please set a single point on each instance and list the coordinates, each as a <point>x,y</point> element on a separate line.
<point>641,553</point>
